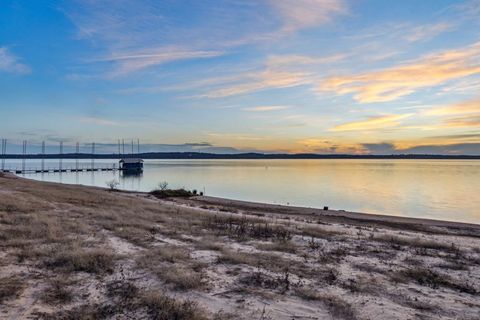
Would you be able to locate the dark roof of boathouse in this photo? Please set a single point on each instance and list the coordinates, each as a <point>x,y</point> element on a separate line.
<point>131,160</point>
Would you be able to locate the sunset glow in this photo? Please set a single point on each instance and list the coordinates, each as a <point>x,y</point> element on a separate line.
<point>320,76</point>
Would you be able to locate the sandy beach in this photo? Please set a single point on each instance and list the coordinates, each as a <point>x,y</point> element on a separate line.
<point>76,252</point>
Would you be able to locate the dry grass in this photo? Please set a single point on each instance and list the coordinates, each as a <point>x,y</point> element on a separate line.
<point>368,268</point>
<point>209,244</point>
<point>328,275</point>
<point>432,279</point>
<point>258,279</point>
<point>173,265</point>
<point>247,228</point>
<point>317,232</point>
<point>83,312</point>
<point>58,291</point>
<point>127,302</point>
<point>397,242</point>
<point>10,288</point>
<point>332,255</point>
<point>27,227</point>
<point>183,278</point>
<point>281,246</point>
<point>414,303</point>
<point>336,306</point>
<point>57,230</point>
<point>79,259</point>
<point>269,261</point>
<point>162,307</point>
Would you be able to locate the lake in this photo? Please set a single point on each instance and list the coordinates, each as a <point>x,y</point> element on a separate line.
<point>438,189</point>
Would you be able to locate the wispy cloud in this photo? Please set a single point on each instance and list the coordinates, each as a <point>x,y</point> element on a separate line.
<point>128,62</point>
<point>118,28</point>
<point>11,63</point>
<point>286,61</point>
<point>279,71</point>
<point>463,122</point>
<point>99,121</point>
<point>469,8</point>
<point>256,81</point>
<point>465,107</point>
<point>266,108</point>
<point>393,83</point>
<point>465,114</point>
<point>301,14</point>
<point>235,136</point>
<point>372,123</point>
<point>133,35</point>
<point>429,31</point>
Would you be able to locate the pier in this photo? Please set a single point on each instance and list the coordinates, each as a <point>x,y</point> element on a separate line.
<point>125,160</point>
<point>57,170</point>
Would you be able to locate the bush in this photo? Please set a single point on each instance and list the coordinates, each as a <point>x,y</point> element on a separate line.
<point>112,184</point>
<point>172,193</point>
<point>163,185</point>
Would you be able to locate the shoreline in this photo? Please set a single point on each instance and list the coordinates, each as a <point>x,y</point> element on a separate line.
<point>298,210</point>
<point>262,206</point>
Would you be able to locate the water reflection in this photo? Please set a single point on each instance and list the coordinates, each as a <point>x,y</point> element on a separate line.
<point>442,189</point>
<point>131,180</point>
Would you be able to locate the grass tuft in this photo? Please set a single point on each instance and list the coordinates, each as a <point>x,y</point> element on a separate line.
<point>91,261</point>
<point>162,307</point>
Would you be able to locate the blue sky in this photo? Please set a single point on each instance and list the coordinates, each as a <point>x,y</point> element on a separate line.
<point>325,76</point>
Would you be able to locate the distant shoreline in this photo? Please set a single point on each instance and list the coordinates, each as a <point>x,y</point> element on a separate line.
<point>238,156</point>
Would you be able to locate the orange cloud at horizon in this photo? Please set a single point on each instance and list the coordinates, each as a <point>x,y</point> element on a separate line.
<point>470,106</point>
<point>371,123</point>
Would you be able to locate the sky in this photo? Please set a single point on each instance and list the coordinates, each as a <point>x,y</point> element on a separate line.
<point>317,76</point>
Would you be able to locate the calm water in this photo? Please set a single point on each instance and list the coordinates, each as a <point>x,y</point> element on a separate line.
<point>440,189</point>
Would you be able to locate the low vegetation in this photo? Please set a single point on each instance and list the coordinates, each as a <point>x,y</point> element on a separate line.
<point>58,291</point>
<point>79,259</point>
<point>163,192</point>
<point>173,265</point>
<point>70,252</point>
<point>433,279</point>
<point>246,228</point>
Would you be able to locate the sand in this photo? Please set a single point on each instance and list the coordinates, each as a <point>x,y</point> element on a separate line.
<point>71,252</point>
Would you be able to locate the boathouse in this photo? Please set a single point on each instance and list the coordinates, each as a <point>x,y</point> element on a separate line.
<point>131,164</point>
